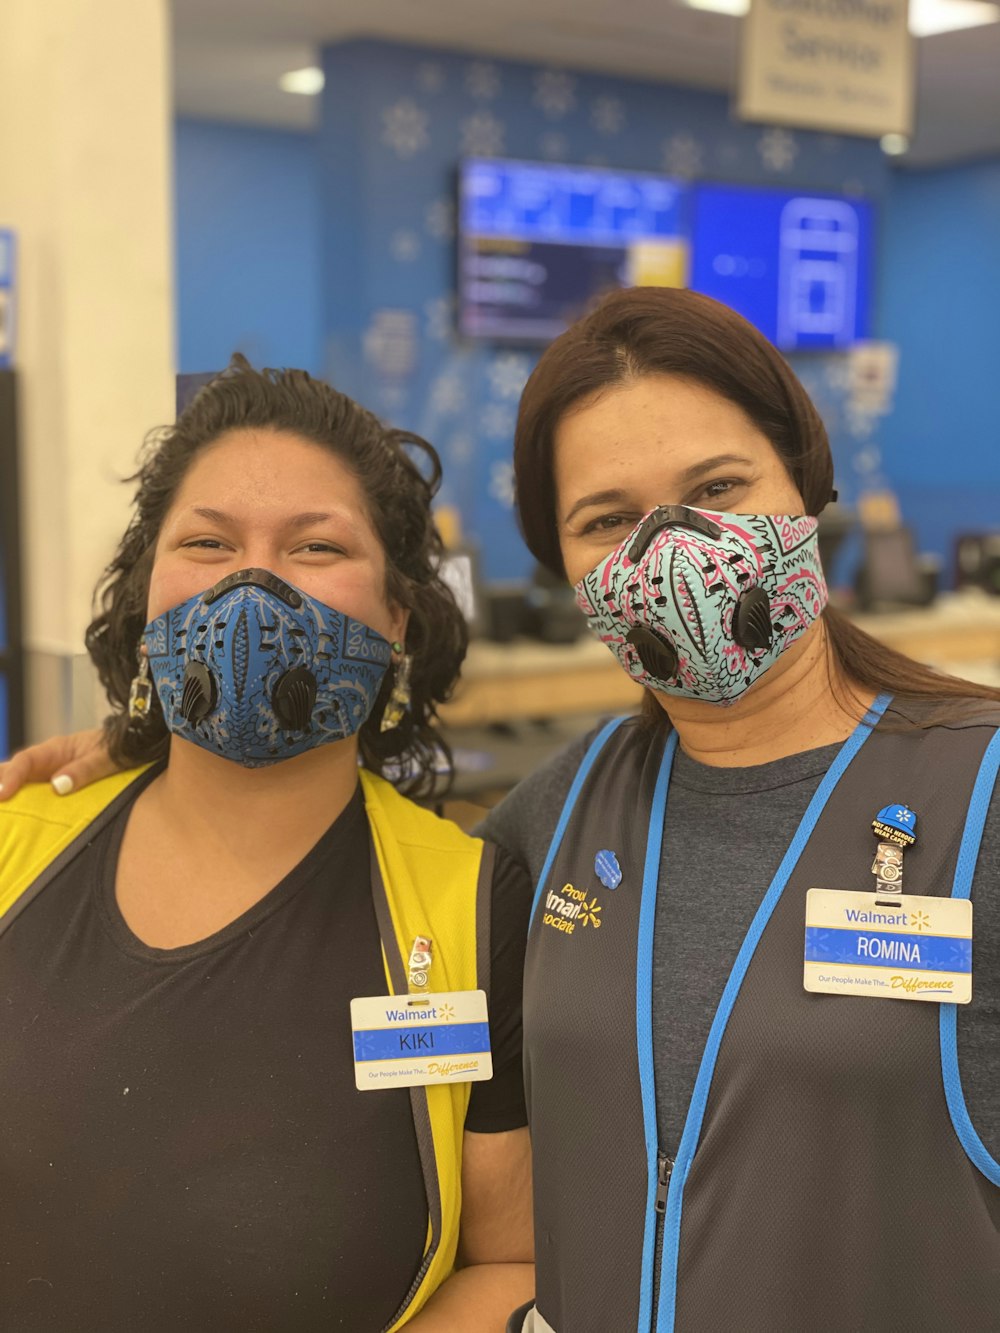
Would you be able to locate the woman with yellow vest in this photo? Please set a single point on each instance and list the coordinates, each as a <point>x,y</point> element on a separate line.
<point>245,1053</point>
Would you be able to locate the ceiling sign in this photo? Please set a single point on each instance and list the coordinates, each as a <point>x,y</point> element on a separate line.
<point>840,65</point>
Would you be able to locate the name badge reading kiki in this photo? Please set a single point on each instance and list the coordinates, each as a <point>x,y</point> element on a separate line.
<point>918,949</point>
<point>405,1041</point>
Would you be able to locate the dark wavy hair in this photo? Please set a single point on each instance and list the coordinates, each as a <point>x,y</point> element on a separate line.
<point>666,331</point>
<point>399,498</point>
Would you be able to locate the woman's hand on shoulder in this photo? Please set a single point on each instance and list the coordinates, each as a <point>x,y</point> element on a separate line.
<point>68,762</point>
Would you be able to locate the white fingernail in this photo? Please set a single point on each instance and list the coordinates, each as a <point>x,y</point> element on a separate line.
<point>63,784</point>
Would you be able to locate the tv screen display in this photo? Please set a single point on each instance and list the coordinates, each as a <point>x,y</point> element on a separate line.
<point>538,242</point>
<point>796,264</point>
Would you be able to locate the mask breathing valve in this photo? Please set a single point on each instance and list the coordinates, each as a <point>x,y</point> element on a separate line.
<point>752,621</point>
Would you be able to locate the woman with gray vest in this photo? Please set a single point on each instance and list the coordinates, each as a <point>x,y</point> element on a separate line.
<point>752,1106</point>
<point>758,1096</point>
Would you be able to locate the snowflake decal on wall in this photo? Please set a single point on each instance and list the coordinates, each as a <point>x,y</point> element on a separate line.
<point>860,422</point>
<point>393,397</point>
<point>439,314</point>
<point>498,421</point>
<point>447,395</point>
<point>482,135</point>
<point>430,77</point>
<point>482,81</point>
<point>439,219</point>
<point>778,149</point>
<point>682,155</point>
<point>607,115</point>
<point>501,485</point>
<point>404,246</point>
<point>404,128</point>
<point>460,447</point>
<point>553,146</point>
<point>508,374</point>
<point>867,461</point>
<point>555,92</point>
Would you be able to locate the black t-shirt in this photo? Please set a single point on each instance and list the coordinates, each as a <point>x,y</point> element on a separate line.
<point>182,1146</point>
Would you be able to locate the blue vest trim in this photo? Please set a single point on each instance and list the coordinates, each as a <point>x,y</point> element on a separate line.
<point>597,745</point>
<point>699,1098</point>
<point>982,793</point>
<point>644,1018</point>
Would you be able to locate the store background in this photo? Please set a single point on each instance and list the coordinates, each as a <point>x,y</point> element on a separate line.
<point>335,250</point>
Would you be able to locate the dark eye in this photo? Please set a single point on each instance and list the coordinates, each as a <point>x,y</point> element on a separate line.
<point>722,489</point>
<point>207,543</point>
<point>607,523</point>
<point>321,548</point>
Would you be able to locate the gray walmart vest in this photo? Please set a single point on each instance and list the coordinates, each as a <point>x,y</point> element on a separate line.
<point>828,1178</point>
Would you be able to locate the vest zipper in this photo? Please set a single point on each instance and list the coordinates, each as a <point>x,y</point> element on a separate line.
<point>664,1168</point>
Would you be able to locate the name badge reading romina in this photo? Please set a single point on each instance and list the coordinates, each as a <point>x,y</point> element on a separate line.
<point>909,949</point>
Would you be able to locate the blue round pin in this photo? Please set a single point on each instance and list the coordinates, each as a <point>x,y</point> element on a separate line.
<point>607,869</point>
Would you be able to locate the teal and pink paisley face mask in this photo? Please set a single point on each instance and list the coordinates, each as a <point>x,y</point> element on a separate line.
<point>699,604</point>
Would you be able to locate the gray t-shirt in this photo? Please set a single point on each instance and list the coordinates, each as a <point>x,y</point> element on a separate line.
<point>741,821</point>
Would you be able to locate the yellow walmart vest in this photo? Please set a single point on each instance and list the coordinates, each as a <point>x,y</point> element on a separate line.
<point>428,878</point>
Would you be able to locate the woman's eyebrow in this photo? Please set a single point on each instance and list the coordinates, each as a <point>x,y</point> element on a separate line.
<point>213,515</point>
<point>697,470</point>
<point>299,521</point>
<point>684,478</point>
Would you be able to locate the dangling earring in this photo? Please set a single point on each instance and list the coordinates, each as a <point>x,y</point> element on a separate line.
<point>399,700</point>
<point>140,695</point>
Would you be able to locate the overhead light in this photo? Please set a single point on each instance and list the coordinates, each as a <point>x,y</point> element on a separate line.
<point>735,7</point>
<point>308,81</point>
<point>927,17</point>
<point>894,145</point>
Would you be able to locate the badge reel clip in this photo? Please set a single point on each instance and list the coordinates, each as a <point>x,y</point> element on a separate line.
<point>895,828</point>
<point>419,963</point>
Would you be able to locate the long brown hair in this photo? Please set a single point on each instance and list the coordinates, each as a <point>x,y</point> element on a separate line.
<point>667,331</point>
<point>398,494</point>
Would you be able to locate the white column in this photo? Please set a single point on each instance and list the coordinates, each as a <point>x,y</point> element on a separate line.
<point>85,181</point>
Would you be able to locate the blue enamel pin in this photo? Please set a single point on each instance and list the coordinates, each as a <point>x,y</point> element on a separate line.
<point>896,824</point>
<point>607,869</point>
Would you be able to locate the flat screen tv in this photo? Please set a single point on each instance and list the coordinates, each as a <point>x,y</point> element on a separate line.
<point>796,263</point>
<point>538,242</point>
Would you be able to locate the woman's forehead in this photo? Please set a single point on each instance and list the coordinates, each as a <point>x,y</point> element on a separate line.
<point>273,469</point>
<point>656,424</point>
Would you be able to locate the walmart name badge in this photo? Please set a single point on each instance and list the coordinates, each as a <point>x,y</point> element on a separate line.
<point>405,1041</point>
<point>916,949</point>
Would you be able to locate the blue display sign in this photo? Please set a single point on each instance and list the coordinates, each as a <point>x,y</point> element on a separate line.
<point>538,242</point>
<point>7,259</point>
<point>796,264</point>
<point>533,201</point>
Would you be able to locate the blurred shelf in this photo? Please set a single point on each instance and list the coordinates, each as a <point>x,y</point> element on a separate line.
<point>504,683</point>
<point>525,679</point>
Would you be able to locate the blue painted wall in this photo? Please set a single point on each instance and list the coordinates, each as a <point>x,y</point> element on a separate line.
<point>371,199</point>
<point>396,120</point>
<point>940,301</point>
<point>248,246</point>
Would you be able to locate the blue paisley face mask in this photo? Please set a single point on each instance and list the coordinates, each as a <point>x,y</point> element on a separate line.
<point>700,604</point>
<point>257,671</point>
